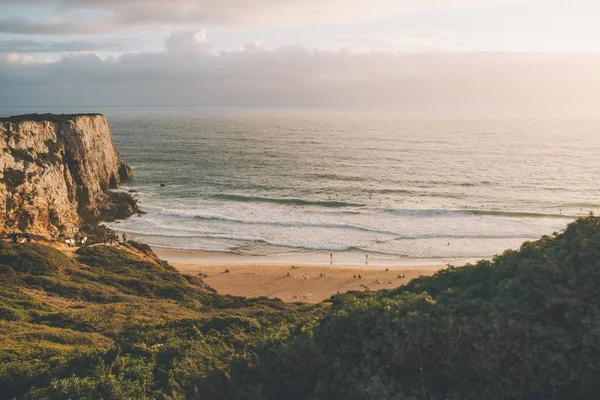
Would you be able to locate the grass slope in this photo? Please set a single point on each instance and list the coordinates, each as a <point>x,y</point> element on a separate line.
<point>523,326</point>
<point>119,323</point>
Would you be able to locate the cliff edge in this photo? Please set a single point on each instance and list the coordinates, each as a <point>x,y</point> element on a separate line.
<point>57,172</point>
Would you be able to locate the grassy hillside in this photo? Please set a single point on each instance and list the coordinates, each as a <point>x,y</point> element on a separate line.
<point>118,323</point>
<point>524,326</point>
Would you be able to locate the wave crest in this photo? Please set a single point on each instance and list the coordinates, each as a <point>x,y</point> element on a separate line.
<point>286,201</point>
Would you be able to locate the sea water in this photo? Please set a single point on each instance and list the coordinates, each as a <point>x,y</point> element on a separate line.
<point>266,182</point>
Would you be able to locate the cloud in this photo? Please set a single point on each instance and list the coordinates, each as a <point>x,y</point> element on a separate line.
<point>20,59</point>
<point>56,26</point>
<point>421,41</point>
<point>187,42</point>
<point>33,46</point>
<point>187,74</point>
<point>111,16</point>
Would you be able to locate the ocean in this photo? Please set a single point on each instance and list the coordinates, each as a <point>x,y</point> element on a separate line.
<point>280,181</point>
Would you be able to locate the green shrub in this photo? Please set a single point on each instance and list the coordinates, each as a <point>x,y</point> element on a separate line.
<point>526,325</point>
<point>11,314</point>
<point>148,277</point>
<point>33,258</point>
<point>7,274</point>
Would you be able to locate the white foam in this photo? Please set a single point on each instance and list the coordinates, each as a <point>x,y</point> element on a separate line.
<point>221,227</point>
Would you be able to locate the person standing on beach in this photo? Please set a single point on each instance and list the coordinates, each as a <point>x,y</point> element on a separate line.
<point>366,259</point>
<point>330,258</point>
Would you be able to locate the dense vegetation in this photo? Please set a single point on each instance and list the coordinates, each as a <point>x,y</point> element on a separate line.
<point>119,323</point>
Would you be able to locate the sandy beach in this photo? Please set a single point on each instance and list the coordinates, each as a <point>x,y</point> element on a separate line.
<point>307,280</point>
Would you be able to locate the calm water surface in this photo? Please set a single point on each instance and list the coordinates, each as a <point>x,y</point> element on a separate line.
<point>281,181</point>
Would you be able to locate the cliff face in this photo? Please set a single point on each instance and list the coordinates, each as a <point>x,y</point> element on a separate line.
<point>56,172</point>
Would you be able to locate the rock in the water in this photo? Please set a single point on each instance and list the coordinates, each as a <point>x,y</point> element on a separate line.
<point>56,172</point>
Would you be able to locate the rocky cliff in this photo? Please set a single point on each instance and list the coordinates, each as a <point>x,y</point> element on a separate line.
<point>56,172</point>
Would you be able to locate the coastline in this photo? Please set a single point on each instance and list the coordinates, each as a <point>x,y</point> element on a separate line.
<point>352,260</point>
<point>298,277</point>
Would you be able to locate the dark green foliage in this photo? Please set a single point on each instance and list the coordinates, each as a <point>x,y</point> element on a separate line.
<point>75,289</point>
<point>116,260</point>
<point>18,306</point>
<point>7,274</point>
<point>525,326</point>
<point>118,323</point>
<point>57,118</point>
<point>33,258</point>
<point>11,314</point>
<point>142,277</point>
<point>141,247</point>
<point>34,355</point>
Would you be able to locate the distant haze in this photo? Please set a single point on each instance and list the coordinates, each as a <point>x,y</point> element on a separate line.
<point>434,56</point>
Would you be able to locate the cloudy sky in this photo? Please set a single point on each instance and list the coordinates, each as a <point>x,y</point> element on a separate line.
<point>413,55</point>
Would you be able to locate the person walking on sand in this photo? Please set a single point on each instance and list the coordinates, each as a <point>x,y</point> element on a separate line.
<point>366,259</point>
<point>330,258</point>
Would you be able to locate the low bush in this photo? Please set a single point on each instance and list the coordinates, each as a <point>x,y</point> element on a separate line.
<point>33,258</point>
<point>525,325</point>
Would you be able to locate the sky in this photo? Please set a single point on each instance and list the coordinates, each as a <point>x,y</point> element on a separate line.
<point>526,56</point>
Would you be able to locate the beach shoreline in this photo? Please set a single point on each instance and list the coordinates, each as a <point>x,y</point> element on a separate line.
<point>304,278</point>
<point>354,260</point>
